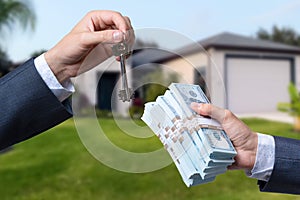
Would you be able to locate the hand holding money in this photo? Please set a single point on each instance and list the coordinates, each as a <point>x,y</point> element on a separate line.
<point>198,146</point>
<point>244,140</point>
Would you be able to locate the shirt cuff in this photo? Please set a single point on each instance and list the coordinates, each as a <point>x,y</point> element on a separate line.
<point>265,158</point>
<point>61,91</point>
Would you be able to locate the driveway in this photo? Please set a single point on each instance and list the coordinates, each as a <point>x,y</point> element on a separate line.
<point>274,116</point>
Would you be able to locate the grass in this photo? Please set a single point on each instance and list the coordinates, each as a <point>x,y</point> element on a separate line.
<point>56,165</point>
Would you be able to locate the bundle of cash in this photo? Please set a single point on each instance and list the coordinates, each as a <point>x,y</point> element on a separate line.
<point>198,146</point>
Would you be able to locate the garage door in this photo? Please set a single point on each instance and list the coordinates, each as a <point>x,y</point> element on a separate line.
<point>256,85</point>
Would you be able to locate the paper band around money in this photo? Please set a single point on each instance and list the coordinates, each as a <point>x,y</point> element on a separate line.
<point>199,152</point>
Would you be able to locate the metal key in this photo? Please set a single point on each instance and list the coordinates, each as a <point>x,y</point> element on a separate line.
<point>121,49</point>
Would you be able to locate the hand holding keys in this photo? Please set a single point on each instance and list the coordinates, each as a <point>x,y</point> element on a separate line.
<point>121,49</point>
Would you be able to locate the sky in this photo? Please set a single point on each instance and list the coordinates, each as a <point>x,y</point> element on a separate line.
<point>195,19</point>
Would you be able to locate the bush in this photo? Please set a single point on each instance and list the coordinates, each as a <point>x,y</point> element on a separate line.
<point>160,83</point>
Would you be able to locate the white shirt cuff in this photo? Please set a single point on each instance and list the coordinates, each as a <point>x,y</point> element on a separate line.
<point>265,158</point>
<point>61,91</point>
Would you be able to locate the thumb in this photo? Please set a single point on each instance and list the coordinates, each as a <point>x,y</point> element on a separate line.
<point>107,36</point>
<point>209,110</point>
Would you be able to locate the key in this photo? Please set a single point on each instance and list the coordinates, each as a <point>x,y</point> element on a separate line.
<point>121,49</point>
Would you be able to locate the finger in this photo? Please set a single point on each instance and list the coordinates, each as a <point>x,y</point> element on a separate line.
<point>122,23</point>
<point>209,110</point>
<point>233,167</point>
<point>94,38</point>
<point>128,21</point>
<point>129,35</point>
<point>116,19</point>
<point>102,20</point>
<point>197,108</point>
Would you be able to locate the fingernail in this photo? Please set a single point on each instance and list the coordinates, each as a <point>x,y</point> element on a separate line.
<point>117,36</point>
<point>195,105</point>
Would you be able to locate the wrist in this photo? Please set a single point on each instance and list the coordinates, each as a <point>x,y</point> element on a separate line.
<point>59,70</point>
<point>253,143</point>
<point>265,158</point>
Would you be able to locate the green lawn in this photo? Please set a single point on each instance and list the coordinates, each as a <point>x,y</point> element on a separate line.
<point>56,165</point>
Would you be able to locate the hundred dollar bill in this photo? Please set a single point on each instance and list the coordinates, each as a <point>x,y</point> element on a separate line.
<point>220,145</point>
<point>182,159</point>
<point>197,153</point>
<point>200,157</point>
<point>198,146</point>
<point>181,124</point>
<point>181,162</point>
<point>185,94</point>
<point>172,102</point>
<point>191,121</point>
<point>193,126</point>
<point>172,113</point>
<point>193,136</point>
<point>182,137</point>
<point>165,135</point>
<point>209,130</point>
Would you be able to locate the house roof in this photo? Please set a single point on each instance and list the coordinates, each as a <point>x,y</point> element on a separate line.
<point>233,41</point>
<point>224,40</point>
<point>150,55</point>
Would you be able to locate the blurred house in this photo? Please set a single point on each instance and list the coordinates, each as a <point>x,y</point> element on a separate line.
<point>243,74</point>
<point>100,87</point>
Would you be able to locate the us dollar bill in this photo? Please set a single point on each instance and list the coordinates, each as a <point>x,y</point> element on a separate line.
<point>198,146</point>
<point>183,154</point>
<point>208,129</point>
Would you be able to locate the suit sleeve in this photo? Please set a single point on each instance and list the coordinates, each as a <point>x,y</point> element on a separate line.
<point>27,106</point>
<point>285,177</point>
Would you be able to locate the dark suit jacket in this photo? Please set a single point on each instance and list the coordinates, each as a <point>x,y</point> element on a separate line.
<point>285,177</point>
<point>27,105</point>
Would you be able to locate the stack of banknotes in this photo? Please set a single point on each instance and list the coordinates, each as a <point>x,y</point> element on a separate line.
<point>198,146</point>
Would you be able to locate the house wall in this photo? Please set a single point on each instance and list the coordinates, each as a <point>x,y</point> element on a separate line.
<point>297,75</point>
<point>86,84</point>
<point>212,61</point>
<point>217,76</point>
<point>185,66</point>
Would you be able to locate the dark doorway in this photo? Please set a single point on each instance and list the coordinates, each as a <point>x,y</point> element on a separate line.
<point>199,78</point>
<point>105,89</point>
